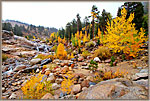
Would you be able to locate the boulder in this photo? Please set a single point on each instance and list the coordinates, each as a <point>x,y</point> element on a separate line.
<point>76,88</point>
<point>96,59</point>
<point>58,80</point>
<point>51,78</point>
<point>81,58</point>
<point>46,61</point>
<point>85,83</point>
<point>6,35</point>
<point>35,61</point>
<point>19,67</point>
<point>108,61</point>
<point>55,86</point>
<point>13,96</point>
<point>118,88</point>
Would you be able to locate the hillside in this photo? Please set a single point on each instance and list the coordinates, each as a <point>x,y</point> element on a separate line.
<point>25,29</point>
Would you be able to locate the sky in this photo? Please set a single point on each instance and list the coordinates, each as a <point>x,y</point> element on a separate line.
<point>54,14</point>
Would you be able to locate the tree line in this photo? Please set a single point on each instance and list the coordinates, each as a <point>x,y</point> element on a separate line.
<point>100,21</point>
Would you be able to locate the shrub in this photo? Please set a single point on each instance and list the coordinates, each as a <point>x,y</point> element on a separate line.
<point>85,53</point>
<point>54,48</point>
<point>117,74</point>
<point>67,83</point>
<point>35,89</point>
<point>93,65</point>
<point>121,35</point>
<point>89,44</point>
<point>97,77</point>
<point>112,60</point>
<point>4,57</point>
<point>70,56</point>
<point>69,51</point>
<point>61,53</point>
<point>123,57</point>
<point>102,52</point>
<point>43,57</point>
<point>98,42</point>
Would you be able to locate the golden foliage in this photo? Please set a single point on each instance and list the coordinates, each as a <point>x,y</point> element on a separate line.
<point>67,83</point>
<point>54,48</point>
<point>85,53</point>
<point>121,35</point>
<point>116,74</point>
<point>61,53</point>
<point>102,52</point>
<point>43,57</point>
<point>35,89</point>
<point>59,40</point>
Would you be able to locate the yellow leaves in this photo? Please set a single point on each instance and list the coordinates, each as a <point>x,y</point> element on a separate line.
<point>33,89</point>
<point>122,35</point>
<point>44,66</point>
<point>52,35</point>
<point>64,41</point>
<point>72,56</point>
<point>67,83</point>
<point>99,33</point>
<point>61,53</point>
<point>34,37</point>
<point>59,39</point>
<point>80,34</point>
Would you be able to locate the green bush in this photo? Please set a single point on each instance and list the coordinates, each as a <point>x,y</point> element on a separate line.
<point>89,44</point>
<point>93,65</point>
<point>102,52</point>
<point>4,57</point>
<point>85,53</point>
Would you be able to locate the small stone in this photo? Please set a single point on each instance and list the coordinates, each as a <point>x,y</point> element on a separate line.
<point>48,96</point>
<point>76,88</point>
<point>3,89</point>
<point>90,78</point>
<point>70,68</point>
<point>85,67</point>
<point>58,80</point>
<point>85,83</point>
<point>96,59</point>
<point>51,78</point>
<point>72,65</point>
<point>92,83</point>
<point>55,86</point>
<point>13,96</point>
<point>84,88</point>
<point>14,84</point>
<point>84,64</point>
<point>80,80</point>
<point>108,61</point>
<point>19,67</point>
<point>35,61</point>
<point>62,64</point>
<point>19,82</point>
<point>46,61</point>
<point>81,58</point>
<point>65,69</point>
<point>47,72</point>
<point>38,70</point>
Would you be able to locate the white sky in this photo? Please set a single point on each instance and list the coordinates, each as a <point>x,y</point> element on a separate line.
<point>54,14</point>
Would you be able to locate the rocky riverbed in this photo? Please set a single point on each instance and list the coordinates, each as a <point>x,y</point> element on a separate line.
<point>21,62</point>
